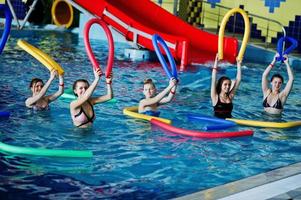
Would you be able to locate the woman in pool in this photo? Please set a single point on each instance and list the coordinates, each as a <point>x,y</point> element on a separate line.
<point>152,100</point>
<point>222,93</point>
<point>274,98</point>
<point>38,100</point>
<point>81,109</point>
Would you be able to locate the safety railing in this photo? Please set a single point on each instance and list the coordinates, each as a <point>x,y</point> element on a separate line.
<point>209,18</point>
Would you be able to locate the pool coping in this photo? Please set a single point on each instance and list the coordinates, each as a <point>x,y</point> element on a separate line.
<point>258,183</point>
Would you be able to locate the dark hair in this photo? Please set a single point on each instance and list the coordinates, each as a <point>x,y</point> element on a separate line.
<point>220,82</point>
<point>277,76</point>
<point>34,81</point>
<point>79,80</point>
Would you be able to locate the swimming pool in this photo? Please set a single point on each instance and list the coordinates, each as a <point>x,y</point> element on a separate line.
<point>131,159</point>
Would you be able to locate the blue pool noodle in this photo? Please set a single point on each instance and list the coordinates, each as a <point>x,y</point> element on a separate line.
<point>294,44</point>
<point>8,21</point>
<point>173,74</point>
<point>220,123</point>
<point>4,114</point>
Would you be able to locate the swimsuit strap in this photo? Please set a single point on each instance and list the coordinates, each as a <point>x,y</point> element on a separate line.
<point>223,110</point>
<point>277,104</point>
<point>89,119</point>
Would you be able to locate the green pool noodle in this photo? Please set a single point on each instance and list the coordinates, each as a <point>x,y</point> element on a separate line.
<point>45,152</point>
<point>68,96</point>
<point>72,97</point>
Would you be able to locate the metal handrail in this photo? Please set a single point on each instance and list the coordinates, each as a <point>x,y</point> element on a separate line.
<point>219,18</point>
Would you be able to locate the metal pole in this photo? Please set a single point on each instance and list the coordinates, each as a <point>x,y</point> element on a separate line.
<point>29,12</point>
<point>175,7</point>
<point>13,12</point>
<point>234,25</point>
<point>267,36</point>
<point>219,13</point>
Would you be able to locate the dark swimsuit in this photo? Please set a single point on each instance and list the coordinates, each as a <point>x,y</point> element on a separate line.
<point>223,110</point>
<point>152,113</point>
<point>89,119</point>
<point>277,105</point>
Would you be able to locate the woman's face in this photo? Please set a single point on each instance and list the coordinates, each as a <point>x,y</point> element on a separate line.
<point>276,84</point>
<point>149,90</point>
<point>37,87</point>
<point>226,86</point>
<point>80,88</point>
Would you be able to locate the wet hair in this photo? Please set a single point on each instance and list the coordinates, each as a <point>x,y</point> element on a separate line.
<point>220,83</point>
<point>34,81</point>
<point>277,76</point>
<point>149,81</point>
<point>77,81</point>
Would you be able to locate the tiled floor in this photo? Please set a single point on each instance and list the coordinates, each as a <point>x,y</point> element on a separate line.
<point>292,195</point>
<point>279,184</point>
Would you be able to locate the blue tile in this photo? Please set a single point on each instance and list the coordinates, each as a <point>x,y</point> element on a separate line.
<point>272,4</point>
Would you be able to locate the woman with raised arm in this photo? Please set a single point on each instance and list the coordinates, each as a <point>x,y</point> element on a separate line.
<point>222,94</point>
<point>273,98</point>
<point>81,109</point>
<point>152,100</point>
<point>39,100</point>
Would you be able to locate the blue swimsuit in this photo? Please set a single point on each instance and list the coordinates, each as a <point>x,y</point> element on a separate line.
<point>152,113</point>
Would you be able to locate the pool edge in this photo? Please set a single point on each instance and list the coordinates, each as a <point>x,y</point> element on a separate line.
<point>245,184</point>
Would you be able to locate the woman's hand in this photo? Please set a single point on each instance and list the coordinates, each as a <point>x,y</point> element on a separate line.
<point>285,59</point>
<point>173,82</point>
<point>109,78</point>
<point>97,73</point>
<point>275,58</point>
<point>53,73</point>
<point>238,62</point>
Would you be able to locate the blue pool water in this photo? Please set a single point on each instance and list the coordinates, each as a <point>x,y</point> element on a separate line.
<point>131,159</point>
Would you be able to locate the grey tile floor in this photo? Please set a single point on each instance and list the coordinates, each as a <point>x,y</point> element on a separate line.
<point>291,195</point>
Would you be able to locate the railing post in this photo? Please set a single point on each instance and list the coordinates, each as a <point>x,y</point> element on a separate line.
<point>234,25</point>
<point>219,13</point>
<point>175,7</point>
<point>203,15</point>
<point>267,36</point>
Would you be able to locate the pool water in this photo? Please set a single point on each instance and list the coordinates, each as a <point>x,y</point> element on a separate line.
<point>131,158</point>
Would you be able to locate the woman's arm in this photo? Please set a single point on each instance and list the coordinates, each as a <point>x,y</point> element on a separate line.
<point>32,100</point>
<point>290,81</point>
<point>264,80</point>
<point>170,96</point>
<point>237,80</point>
<point>60,90</point>
<point>109,94</point>
<point>88,93</point>
<point>213,81</point>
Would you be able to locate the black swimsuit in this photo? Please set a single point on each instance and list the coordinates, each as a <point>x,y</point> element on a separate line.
<point>223,110</point>
<point>89,119</point>
<point>277,105</point>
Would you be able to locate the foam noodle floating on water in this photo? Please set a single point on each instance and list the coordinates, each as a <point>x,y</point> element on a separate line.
<point>133,112</point>
<point>45,152</point>
<point>266,124</point>
<point>219,124</point>
<point>200,134</point>
<point>4,114</point>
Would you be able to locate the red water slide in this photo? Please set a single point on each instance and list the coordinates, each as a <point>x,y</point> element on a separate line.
<point>138,20</point>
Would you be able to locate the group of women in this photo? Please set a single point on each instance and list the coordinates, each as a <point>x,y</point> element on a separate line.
<point>222,94</point>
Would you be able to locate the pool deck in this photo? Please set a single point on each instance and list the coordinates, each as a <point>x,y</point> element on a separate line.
<point>279,184</point>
